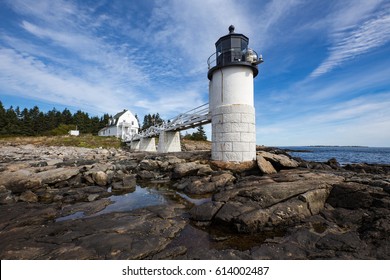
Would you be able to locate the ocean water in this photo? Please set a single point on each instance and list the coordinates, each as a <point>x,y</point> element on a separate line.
<point>344,155</point>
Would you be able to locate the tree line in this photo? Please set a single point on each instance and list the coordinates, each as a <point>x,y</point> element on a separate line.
<point>34,122</point>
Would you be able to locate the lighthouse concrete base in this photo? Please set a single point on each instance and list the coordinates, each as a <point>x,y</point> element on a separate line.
<point>147,145</point>
<point>169,142</point>
<point>233,133</point>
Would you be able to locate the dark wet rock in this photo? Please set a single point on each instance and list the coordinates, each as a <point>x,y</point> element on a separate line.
<point>204,184</point>
<point>284,251</point>
<point>39,164</point>
<point>28,196</point>
<point>368,168</point>
<point>257,203</point>
<point>196,185</point>
<point>128,184</point>
<point>87,208</point>
<point>127,165</point>
<point>6,196</point>
<point>171,253</point>
<point>75,162</point>
<point>149,165</point>
<point>350,196</point>
<point>148,175</point>
<point>205,211</point>
<point>26,214</point>
<point>134,235</point>
<point>333,163</point>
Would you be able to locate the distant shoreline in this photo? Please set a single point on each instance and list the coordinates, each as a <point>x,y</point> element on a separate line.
<point>337,146</point>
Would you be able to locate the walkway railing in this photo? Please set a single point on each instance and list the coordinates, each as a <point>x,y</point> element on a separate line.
<point>190,119</point>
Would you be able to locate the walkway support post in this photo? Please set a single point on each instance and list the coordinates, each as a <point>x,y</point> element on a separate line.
<point>134,145</point>
<point>169,141</point>
<point>147,144</point>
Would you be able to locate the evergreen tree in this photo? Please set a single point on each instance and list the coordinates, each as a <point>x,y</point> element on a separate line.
<point>3,119</point>
<point>94,125</point>
<point>82,121</point>
<point>151,120</point>
<point>66,117</point>
<point>136,117</point>
<point>147,121</point>
<point>12,122</point>
<point>104,120</point>
<point>30,122</point>
<point>26,123</point>
<point>199,135</point>
<point>37,126</point>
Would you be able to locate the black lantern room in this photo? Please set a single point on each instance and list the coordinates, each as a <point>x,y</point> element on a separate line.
<point>232,49</point>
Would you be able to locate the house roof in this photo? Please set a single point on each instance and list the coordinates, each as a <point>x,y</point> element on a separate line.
<point>117,116</point>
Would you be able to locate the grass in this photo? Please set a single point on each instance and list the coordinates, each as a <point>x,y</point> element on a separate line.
<point>84,140</point>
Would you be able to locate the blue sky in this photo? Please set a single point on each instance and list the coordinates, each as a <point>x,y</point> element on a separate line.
<point>325,79</point>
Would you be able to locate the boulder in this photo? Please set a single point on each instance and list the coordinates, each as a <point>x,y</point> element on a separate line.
<point>222,180</point>
<point>100,178</point>
<point>128,184</point>
<point>350,195</point>
<point>279,161</point>
<point>28,196</point>
<point>236,168</point>
<point>204,184</point>
<point>20,180</point>
<point>186,169</point>
<point>258,203</point>
<point>205,170</point>
<point>92,197</point>
<point>6,196</point>
<point>265,166</point>
<point>129,181</point>
<point>149,165</point>
<point>200,185</point>
<point>53,176</point>
<point>333,163</point>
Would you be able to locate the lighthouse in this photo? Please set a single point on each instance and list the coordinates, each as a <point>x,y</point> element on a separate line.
<point>232,69</point>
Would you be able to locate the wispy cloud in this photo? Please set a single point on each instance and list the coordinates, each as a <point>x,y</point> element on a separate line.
<point>353,122</point>
<point>350,41</point>
<point>37,81</point>
<point>72,43</point>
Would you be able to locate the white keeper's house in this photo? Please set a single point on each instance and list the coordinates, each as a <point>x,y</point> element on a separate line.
<point>123,125</point>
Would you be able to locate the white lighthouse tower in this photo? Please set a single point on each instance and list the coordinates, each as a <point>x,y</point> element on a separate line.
<point>231,99</point>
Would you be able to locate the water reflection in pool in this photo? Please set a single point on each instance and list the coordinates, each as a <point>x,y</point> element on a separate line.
<point>140,198</point>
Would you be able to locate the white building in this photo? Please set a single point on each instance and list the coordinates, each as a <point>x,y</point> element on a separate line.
<point>74,132</point>
<point>123,125</point>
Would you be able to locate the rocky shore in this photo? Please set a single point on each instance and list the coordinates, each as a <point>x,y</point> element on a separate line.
<point>62,203</point>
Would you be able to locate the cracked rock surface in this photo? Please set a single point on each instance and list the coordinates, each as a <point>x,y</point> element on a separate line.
<point>58,203</point>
